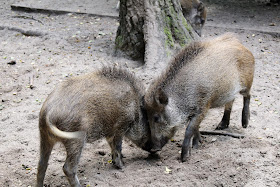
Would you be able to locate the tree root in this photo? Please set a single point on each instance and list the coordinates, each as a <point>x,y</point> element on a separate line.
<point>222,133</point>
<point>24,32</point>
<point>56,12</point>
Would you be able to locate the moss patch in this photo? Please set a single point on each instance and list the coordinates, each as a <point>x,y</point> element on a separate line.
<point>172,29</point>
<point>169,42</point>
<point>119,42</point>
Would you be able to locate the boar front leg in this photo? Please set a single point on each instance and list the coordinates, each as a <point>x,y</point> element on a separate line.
<point>74,150</point>
<point>191,132</point>
<point>116,149</point>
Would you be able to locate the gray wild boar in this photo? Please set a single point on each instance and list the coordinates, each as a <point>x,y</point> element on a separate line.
<point>195,12</point>
<point>106,103</point>
<point>203,75</point>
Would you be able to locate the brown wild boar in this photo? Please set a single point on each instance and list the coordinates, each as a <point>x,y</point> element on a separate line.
<point>203,75</point>
<point>106,103</point>
<point>195,12</point>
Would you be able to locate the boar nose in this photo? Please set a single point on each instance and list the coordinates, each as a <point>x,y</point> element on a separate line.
<point>148,146</point>
<point>156,145</point>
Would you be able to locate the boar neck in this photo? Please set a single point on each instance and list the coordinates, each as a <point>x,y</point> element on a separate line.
<point>139,131</point>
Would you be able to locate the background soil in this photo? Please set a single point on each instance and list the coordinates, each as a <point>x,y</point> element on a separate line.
<point>73,44</point>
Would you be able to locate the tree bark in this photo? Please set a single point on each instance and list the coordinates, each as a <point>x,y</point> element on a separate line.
<point>130,36</point>
<point>152,30</point>
<point>165,30</point>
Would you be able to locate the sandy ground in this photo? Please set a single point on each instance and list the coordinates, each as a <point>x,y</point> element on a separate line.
<point>72,44</point>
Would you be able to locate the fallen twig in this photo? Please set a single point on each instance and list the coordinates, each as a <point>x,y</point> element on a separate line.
<point>26,17</point>
<point>273,33</point>
<point>222,133</point>
<point>31,78</point>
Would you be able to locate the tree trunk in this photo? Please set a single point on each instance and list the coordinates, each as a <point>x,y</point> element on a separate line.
<point>152,30</point>
<point>130,36</point>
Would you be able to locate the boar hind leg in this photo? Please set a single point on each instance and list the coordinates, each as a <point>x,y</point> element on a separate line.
<point>246,110</point>
<point>191,132</point>
<point>74,150</point>
<point>46,147</point>
<point>196,139</point>
<point>116,149</point>
<point>226,117</point>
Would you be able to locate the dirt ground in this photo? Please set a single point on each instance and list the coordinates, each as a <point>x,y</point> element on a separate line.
<point>70,44</point>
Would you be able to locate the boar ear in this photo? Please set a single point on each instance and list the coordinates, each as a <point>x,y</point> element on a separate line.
<point>161,98</point>
<point>200,8</point>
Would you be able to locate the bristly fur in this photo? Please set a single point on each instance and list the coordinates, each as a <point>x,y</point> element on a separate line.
<point>115,73</point>
<point>185,56</point>
<point>181,59</point>
<point>204,75</point>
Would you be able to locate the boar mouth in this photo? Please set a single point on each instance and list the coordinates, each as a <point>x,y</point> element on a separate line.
<point>148,146</point>
<point>154,150</point>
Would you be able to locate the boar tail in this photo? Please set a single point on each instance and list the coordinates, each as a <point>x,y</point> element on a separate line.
<point>63,134</point>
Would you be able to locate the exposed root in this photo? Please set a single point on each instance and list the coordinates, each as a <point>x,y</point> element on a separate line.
<point>24,32</point>
<point>56,12</point>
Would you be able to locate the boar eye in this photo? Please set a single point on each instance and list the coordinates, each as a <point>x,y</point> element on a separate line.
<point>156,118</point>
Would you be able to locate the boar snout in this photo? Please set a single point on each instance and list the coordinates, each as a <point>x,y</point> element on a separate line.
<point>158,144</point>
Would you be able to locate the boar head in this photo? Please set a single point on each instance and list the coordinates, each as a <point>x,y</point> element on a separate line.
<point>159,119</point>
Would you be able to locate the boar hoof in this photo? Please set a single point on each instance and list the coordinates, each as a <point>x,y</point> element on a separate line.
<point>195,144</point>
<point>185,156</point>
<point>119,164</point>
<point>222,125</point>
<point>196,140</point>
<point>244,123</point>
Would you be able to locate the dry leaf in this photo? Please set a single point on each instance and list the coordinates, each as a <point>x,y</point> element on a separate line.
<point>167,170</point>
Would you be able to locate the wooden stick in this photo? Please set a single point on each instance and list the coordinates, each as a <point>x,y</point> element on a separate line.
<point>31,78</point>
<point>222,133</point>
<point>26,17</point>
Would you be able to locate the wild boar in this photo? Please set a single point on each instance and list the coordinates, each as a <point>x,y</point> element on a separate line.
<point>195,12</point>
<point>203,75</point>
<point>106,103</point>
